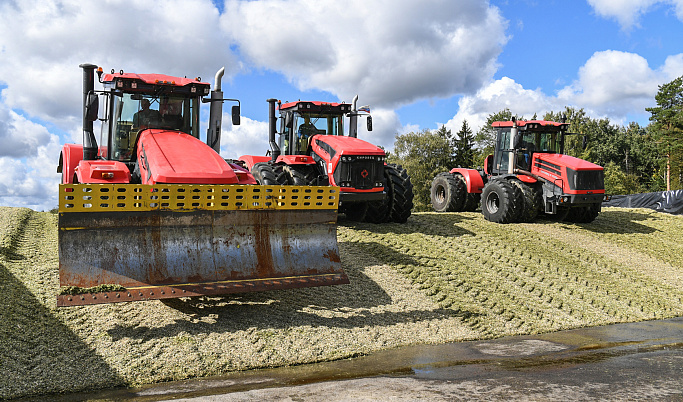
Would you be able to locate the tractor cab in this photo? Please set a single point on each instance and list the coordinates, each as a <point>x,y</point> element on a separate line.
<point>300,121</point>
<point>146,101</point>
<point>518,141</point>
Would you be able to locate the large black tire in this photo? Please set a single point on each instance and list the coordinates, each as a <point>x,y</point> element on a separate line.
<point>585,214</point>
<point>472,202</point>
<point>399,193</point>
<point>268,174</point>
<point>448,193</point>
<point>532,201</point>
<point>501,201</point>
<point>301,175</point>
<point>592,212</point>
<point>355,211</point>
<point>378,212</point>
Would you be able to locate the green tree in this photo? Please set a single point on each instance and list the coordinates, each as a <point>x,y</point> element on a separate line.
<point>667,121</point>
<point>618,182</point>
<point>424,154</point>
<point>464,147</point>
<point>452,144</point>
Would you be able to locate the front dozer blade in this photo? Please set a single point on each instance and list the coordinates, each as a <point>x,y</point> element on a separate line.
<point>126,242</point>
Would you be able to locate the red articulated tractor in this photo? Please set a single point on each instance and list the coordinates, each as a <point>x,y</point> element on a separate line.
<point>149,211</point>
<point>527,174</point>
<point>313,150</point>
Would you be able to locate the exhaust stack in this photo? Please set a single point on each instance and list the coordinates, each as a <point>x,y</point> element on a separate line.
<point>89,141</point>
<point>353,118</point>
<point>274,148</point>
<point>213,135</point>
<point>511,154</point>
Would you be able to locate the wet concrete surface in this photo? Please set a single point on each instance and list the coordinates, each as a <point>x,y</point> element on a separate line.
<point>637,361</point>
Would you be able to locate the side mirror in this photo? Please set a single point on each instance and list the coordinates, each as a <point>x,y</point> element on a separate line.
<point>236,115</point>
<point>585,142</point>
<point>92,105</point>
<point>369,123</point>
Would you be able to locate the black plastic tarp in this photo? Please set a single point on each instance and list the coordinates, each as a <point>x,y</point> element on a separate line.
<point>662,201</point>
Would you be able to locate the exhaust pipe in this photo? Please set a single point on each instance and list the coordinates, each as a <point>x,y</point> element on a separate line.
<point>511,154</point>
<point>89,141</point>
<point>353,118</point>
<point>274,148</point>
<point>213,135</point>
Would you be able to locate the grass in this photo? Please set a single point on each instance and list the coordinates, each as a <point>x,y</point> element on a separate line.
<point>438,278</point>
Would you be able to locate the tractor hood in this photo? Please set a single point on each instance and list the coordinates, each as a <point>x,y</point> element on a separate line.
<point>334,145</point>
<point>173,157</point>
<point>568,161</point>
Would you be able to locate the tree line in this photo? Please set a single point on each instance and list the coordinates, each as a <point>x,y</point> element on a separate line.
<point>636,159</point>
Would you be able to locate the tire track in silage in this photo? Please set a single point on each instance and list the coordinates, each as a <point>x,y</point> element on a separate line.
<point>481,270</point>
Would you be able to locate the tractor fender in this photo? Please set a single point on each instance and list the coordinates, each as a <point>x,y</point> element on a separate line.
<point>296,160</point>
<point>474,180</point>
<point>69,158</point>
<point>526,178</point>
<point>251,160</point>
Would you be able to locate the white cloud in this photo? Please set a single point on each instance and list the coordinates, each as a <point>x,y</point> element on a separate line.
<point>389,52</point>
<point>31,182</point>
<point>385,124</point>
<point>614,83</point>
<point>20,137</point>
<point>628,12</point>
<point>43,42</point>
<point>249,138</point>
<point>610,84</point>
<point>498,95</point>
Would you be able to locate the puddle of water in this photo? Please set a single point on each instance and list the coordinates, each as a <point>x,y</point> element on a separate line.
<point>538,352</point>
<point>526,347</point>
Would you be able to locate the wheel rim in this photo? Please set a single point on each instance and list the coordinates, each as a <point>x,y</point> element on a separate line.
<point>492,202</point>
<point>440,194</point>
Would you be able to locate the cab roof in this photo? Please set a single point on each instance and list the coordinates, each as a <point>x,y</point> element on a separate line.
<point>317,107</point>
<point>154,79</point>
<point>531,124</point>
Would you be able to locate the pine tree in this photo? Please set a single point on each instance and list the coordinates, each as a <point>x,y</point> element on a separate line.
<point>667,120</point>
<point>446,134</point>
<point>464,152</point>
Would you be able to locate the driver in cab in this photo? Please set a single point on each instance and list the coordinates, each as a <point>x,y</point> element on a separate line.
<point>305,131</point>
<point>146,117</point>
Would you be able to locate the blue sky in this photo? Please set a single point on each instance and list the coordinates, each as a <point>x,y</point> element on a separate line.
<point>419,64</point>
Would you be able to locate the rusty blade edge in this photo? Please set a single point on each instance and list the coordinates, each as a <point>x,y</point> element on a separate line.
<point>201,289</point>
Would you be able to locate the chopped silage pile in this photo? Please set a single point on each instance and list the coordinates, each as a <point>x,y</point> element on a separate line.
<point>438,278</point>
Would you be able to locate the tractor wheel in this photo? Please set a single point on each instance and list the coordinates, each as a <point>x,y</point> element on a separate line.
<point>592,212</point>
<point>472,202</point>
<point>378,212</point>
<point>399,193</point>
<point>501,201</point>
<point>532,201</point>
<point>303,175</point>
<point>561,215</point>
<point>267,174</point>
<point>355,211</point>
<point>448,193</point>
<point>585,214</point>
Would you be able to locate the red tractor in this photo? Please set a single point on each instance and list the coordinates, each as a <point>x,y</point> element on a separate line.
<point>149,211</point>
<point>313,150</point>
<point>527,174</point>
